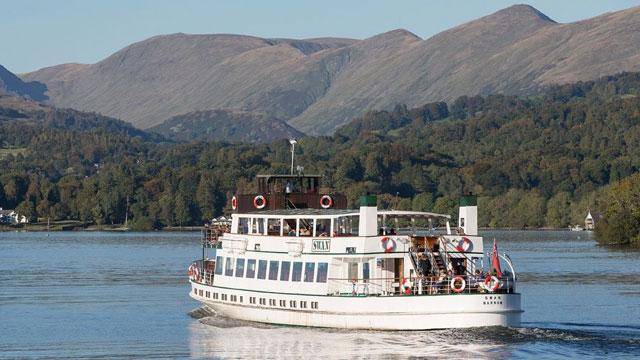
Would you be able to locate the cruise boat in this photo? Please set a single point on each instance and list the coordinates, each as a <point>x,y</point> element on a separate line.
<point>294,255</point>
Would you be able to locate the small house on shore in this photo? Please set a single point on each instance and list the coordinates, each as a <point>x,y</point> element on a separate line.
<point>12,217</point>
<point>590,220</point>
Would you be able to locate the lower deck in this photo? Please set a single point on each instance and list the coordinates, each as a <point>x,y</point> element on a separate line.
<point>406,312</point>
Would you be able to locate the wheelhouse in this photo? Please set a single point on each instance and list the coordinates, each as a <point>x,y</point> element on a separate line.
<point>275,192</point>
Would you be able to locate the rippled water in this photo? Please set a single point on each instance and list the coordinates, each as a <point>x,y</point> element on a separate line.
<point>106,295</point>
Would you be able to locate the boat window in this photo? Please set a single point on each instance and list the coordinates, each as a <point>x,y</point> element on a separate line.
<point>321,276</point>
<point>262,269</point>
<point>273,270</point>
<point>309,269</point>
<point>306,227</point>
<point>303,304</point>
<point>296,275</point>
<point>284,271</point>
<point>243,226</point>
<point>239,267</point>
<point>323,227</point>
<point>289,227</point>
<point>228,268</point>
<point>273,227</point>
<point>251,268</point>
<point>365,271</point>
<point>347,225</point>
<point>258,226</point>
<point>219,260</point>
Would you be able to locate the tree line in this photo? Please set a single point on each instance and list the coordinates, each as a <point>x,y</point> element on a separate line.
<point>534,161</point>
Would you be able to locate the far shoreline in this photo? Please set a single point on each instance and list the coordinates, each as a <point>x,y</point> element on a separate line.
<point>72,226</point>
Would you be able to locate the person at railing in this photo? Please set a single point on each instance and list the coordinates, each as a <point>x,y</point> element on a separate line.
<point>476,279</point>
<point>442,279</point>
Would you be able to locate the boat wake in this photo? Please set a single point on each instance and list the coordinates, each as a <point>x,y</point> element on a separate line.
<point>218,336</point>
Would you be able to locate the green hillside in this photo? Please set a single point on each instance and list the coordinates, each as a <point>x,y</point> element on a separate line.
<point>533,161</point>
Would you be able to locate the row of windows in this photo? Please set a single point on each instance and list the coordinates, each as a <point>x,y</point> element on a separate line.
<point>286,270</point>
<point>293,304</point>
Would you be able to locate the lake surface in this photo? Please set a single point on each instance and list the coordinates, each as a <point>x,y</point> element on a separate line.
<point>124,295</point>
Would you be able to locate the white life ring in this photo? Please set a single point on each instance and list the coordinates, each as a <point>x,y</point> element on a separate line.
<point>326,201</point>
<point>491,283</point>
<point>405,286</point>
<point>387,244</point>
<point>234,202</point>
<point>458,280</point>
<point>464,245</point>
<point>259,202</point>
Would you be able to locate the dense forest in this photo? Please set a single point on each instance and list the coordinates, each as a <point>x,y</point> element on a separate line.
<point>534,161</point>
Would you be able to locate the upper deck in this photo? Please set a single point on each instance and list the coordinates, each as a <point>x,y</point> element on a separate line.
<point>275,192</point>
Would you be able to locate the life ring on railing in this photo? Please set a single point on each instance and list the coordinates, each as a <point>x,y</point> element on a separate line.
<point>259,202</point>
<point>190,271</point>
<point>234,202</point>
<point>387,244</point>
<point>458,284</point>
<point>326,201</point>
<point>405,286</point>
<point>464,245</point>
<point>491,283</point>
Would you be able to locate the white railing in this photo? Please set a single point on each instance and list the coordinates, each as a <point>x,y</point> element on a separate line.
<point>421,286</point>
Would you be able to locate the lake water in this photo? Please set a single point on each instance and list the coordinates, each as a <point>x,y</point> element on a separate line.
<point>124,295</point>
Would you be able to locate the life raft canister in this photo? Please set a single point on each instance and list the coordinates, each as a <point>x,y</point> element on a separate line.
<point>326,201</point>
<point>491,283</point>
<point>458,284</point>
<point>234,202</point>
<point>259,202</point>
<point>387,244</point>
<point>464,245</point>
<point>405,286</point>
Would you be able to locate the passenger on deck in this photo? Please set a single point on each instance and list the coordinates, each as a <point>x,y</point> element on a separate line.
<point>440,282</point>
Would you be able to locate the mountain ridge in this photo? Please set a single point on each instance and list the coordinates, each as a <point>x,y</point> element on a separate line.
<point>317,85</point>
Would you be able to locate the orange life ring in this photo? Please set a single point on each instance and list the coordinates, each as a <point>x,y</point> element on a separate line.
<point>458,280</point>
<point>259,202</point>
<point>234,202</point>
<point>326,201</point>
<point>464,245</point>
<point>491,283</point>
<point>405,286</point>
<point>387,244</point>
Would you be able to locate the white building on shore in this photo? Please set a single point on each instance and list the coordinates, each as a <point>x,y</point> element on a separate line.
<point>12,217</point>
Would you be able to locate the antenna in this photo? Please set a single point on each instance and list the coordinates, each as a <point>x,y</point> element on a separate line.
<point>293,143</point>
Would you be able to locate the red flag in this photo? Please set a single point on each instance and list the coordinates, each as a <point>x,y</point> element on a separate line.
<point>495,260</point>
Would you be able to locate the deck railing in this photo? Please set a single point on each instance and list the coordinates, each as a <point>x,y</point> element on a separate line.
<point>419,286</point>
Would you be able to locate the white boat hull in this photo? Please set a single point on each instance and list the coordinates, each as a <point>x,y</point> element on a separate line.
<point>371,312</point>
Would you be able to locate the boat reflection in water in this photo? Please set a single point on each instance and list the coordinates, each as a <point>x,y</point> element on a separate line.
<point>221,337</point>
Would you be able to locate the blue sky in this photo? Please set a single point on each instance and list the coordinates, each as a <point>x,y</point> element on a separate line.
<point>35,34</point>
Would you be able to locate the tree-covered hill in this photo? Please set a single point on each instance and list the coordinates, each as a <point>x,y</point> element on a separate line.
<point>19,114</point>
<point>220,124</point>
<point>534,161</point>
